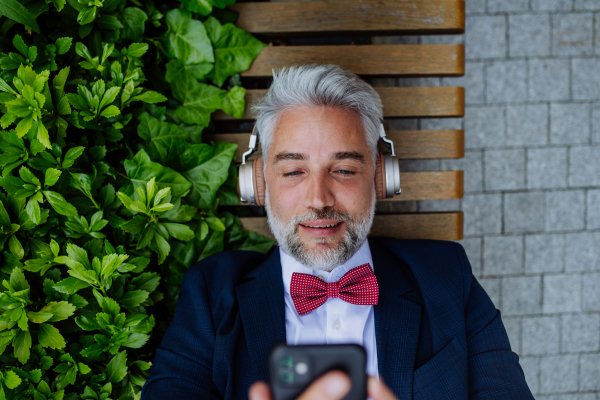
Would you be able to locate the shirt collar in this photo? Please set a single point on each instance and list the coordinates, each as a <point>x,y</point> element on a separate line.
<point>289,265</point>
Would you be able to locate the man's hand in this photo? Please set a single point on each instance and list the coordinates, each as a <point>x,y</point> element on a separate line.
<point>331,386</point>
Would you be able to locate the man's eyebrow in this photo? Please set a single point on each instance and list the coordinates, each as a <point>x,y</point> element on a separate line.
<point>349,155</point>
<point>290,156</point>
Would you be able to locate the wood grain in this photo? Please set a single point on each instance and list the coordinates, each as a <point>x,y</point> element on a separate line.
<point>414,102</point>
<point>371,60</point>
<point>409,145</point>
<point>381,17</point>
<point>439,226</point>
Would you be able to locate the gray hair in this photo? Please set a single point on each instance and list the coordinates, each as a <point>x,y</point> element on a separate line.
<point>318,86</point>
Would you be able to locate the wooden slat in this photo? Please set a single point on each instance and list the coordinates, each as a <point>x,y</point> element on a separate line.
<point>415,102</point>
<point>440,226</point>
<point>381,17</point>
<point>372,60</point>
<point>409,145</point>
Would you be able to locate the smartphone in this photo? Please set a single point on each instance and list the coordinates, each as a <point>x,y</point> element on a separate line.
<point>294,368</point>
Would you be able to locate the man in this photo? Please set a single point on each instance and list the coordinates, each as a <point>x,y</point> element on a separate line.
<point>431,332</point>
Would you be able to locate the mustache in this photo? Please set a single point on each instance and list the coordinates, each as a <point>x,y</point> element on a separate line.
<point>322,214</point>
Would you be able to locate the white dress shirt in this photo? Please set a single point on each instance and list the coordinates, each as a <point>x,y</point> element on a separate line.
<point>335,321</point>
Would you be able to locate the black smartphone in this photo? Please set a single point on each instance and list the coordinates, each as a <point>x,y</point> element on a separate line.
<point>294,368</point>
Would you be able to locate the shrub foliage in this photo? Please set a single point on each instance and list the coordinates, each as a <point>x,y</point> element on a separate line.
<point>108,192</point>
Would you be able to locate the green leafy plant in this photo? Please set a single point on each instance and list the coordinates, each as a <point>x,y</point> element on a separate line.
<point>108,192</point>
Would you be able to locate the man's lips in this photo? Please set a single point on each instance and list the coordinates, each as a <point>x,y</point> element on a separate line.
<point>322,227</point>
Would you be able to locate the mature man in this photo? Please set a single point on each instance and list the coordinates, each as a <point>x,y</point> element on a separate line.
<point>430,333</point>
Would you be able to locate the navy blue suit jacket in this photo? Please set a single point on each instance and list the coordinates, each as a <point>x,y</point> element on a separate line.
<point>438,334</point>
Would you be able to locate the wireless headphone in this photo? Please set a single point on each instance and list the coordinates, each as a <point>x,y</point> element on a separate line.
<point>252,178</point>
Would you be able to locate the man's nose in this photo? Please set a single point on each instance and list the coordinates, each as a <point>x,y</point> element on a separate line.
<point>318,193</point>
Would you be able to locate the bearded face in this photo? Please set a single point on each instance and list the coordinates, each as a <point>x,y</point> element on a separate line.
<point>320,196</point>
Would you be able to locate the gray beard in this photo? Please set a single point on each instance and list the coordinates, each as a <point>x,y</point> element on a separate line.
<point>287,236</point>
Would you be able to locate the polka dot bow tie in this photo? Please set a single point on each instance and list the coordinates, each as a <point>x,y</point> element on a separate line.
<point>357,286</point>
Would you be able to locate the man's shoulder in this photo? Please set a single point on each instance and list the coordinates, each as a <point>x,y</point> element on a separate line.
<point>226,268</point>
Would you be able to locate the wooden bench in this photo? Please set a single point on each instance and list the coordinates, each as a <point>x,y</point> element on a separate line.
<point>279,21</point>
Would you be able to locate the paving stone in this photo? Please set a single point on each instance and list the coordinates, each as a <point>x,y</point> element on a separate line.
<point>544,253</point>
<point>589,365</point>
<point>551,5</point>
<point>596,122</point>
<point>492,288</point>
<point>521,295</point>
<point>400,124</point>
<point>513,330</point>
<point>442,39</point>
<point>472,165</point>
<point>584,166</point>
<point>541,335</point>
<point>485,37</point>
<point>531,369</point>
<point>439,205</point>
<point>527,125</point>
<point>572,34</point>
<point>559,374</point>
<point>562,293</point>
<point>502,255</point>
<point>547,168</point>
<point>473,249</point>
<point>473,81</point>
<point>549,80</point>
<point>395,207</point>
<point>565,211</point>
<point>524,212</point>
<point>591,5</point>
<point>482,213</point>
<point>504,169</point>
<point>441,123</point>
<point>569,123</point>
<point>529,35</point>
<point>582,251</point>
<point>591,291</point>
<point>507,5</point>
<point>475,6</point>
<point>412,82</point>
<point>580,332</point>
<point>506,81</point>
<point>593,209</point>
<point>597,34</point>
<point>484,127</point>
<point>586,79</point>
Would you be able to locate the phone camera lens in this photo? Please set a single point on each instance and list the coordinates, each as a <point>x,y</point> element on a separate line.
<point>301,368</point>
<point>286,362</point>
<point>286,377</point>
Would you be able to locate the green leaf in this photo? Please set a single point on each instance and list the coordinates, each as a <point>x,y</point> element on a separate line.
<point>116,369</point>
<point>15,247</point>
<point>70,285</point>
<point>234,103</point>
<point>133,20</point>
<point>136,340</point>
<point>60,310</point>
<point>110,111</point>
<point>177,70</point>
<point>13,9</point>
<point>159,135</point>
<point>188,39</point>
<point>33,211</point>
<point>38,317</point>
<point>215,224</point>
<point>133,298</point>
<point>86,323</point>
<point>199,101</point>
<point>22,346</point>
<point>63,45</point>
<point>72,155</point>
<point>235,49</point>
<point>51,177</point>
<point>202,7</point>
<point>49,336</point>
<point>150,97</point>
<point>180,231</point>
<point>4,218</point>
<point>12,380</point>
<point>140,170</point>
<point>135,225</point>
<point>60,205</point>
<point>137,50</point>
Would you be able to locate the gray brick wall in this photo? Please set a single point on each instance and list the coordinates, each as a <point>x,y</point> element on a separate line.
<point>532,179</point>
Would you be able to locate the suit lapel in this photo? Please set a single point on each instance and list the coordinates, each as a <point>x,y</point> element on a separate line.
<point>262,308</point>
<point>397,321</point>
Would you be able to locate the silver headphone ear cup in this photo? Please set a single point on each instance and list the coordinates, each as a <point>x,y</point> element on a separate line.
<point>245,178</point>
<point>392,175</point>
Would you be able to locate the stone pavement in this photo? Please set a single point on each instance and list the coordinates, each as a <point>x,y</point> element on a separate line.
<point>532,179</point>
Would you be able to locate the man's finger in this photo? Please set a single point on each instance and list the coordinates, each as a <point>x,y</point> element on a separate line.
<point>378,390</point>
<point>259,391</point>
<point>331,386</point>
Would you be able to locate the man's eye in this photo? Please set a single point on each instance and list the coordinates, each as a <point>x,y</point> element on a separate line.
<point>293,173</point>
<point>345,172</point>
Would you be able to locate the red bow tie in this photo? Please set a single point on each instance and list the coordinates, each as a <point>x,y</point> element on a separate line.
<point>357,286</point>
